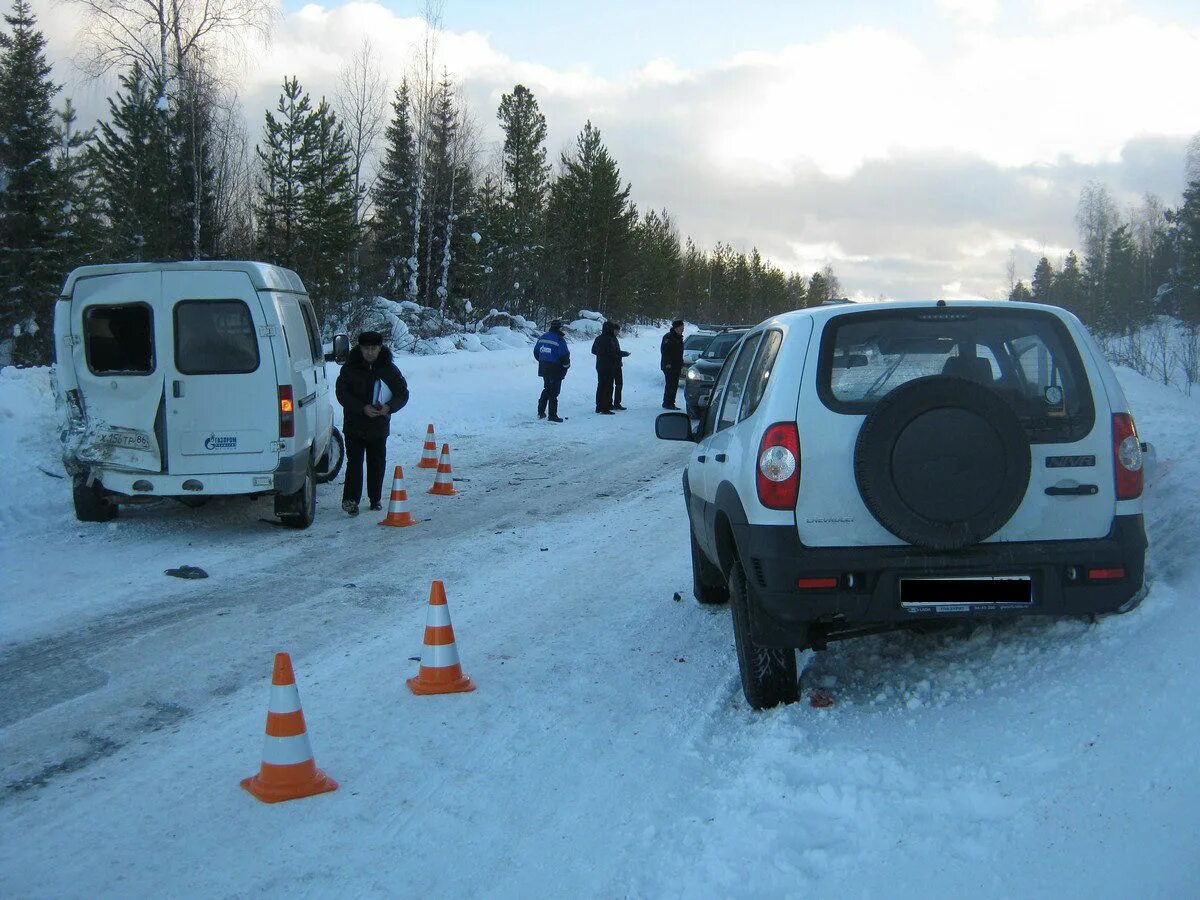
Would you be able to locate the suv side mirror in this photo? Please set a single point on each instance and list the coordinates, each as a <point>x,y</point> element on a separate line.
<point>674,426</point>
<point>341,349</point>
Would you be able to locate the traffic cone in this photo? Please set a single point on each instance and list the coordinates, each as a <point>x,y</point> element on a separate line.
<point>440,670</point>
<point>398,514</point>
<point>443,484</point>
<point>288,768</point>
<point>429,453</point>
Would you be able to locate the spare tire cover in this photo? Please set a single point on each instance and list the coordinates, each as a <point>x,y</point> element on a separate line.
<point>942,462</point>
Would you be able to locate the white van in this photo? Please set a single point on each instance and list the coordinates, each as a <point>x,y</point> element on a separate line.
<point>193,379</point>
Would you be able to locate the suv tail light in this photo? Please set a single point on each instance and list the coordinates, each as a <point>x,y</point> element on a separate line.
<point>778,471</point>
<point>287,412</point>
<point>1127,457</point>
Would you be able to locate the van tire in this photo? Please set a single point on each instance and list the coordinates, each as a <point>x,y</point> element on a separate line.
<point>708,586</point>
<point>329,465</point>
<point>299,509</point>
<point>90,504</point>
<point>769,674</point>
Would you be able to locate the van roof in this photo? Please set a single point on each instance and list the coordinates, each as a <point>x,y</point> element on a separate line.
<point>264,276</point>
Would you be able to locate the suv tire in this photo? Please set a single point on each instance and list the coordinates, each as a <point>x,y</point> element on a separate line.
<point>90,505</point>
<point>708,586</point>
<point>331,461</point>
<point>769,674</point>
<point>298,510</point>
<point>964,494</point>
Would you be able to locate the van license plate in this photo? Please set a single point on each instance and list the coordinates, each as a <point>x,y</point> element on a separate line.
<point>967,590</point>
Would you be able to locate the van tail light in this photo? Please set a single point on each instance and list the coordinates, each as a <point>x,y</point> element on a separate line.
<point>287,412</point>
<point>1127,457</point>
<point>778,472</point>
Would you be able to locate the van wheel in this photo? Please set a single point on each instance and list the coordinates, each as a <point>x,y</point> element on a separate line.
<point>768,673</point>
<point>708,586</point>
<point>299,509</point>
<point>331,463</point>
<point>90,503</point>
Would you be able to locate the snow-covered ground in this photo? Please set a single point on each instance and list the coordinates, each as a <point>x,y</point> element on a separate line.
<point>607,750</point>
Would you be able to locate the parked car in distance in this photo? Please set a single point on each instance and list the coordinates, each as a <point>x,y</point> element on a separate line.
<point>693,346</point>
<point>866,467</point>
<point>192,380</point>
<point>702,374</point>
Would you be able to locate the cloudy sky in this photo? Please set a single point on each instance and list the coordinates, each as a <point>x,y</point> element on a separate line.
<point>911,145</point>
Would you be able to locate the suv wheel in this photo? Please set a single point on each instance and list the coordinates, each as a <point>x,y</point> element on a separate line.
<point>90,505</point>
<point>331,462</point>
<point>299,509</point>
<point>708,586</point>
<point>769,674</point>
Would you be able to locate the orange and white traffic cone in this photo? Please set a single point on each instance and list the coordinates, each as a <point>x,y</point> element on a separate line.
<point>398,514</point>
<point>429,453</point>
<point>440,671</point>
<point>443,483</point>
<point>288,769</point>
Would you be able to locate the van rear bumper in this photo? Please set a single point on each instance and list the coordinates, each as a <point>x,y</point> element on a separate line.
<point>868,579</point>
<point>154,484</point>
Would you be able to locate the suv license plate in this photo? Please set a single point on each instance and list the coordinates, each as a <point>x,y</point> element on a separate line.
<point>967,590</point>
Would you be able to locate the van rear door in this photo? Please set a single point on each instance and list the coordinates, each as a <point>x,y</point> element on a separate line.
<point>119,365</point>
<point>222,397</point>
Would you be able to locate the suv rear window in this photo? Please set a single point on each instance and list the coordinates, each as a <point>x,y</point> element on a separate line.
<point>1028,357</point>
<point>697,341</point>
<point>215,337</point>
<point>721,344</point>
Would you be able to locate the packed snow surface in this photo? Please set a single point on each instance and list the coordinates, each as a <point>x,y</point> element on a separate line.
<point>607,750</point>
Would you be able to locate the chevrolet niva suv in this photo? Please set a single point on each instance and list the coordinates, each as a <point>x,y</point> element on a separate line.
<point>861,468</point>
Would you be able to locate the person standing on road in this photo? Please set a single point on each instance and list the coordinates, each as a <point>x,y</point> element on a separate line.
<point>370,388</point>
<point>672,362</point>
<point>608,352</point>
<point>553,359</point>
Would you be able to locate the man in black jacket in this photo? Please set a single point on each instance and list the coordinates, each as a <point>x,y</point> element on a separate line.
<point>608,352</point>
<point>370,388</point>
<point>672,362</point>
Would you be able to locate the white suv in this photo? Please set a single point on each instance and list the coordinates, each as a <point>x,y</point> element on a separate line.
<point>864,467</point>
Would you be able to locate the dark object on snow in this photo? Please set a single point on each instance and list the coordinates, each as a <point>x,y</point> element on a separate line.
<point>51,474</point>
<point>677,597</point>
<point>189,572</point>
<point>820,699</point>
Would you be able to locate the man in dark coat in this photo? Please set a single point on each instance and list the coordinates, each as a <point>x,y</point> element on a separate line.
<point>608,352</point>
<point>672,362</point>
<point>553,359</point>
<point>370,388</point>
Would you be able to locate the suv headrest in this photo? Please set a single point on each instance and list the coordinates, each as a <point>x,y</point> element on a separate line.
<point>971,368</point>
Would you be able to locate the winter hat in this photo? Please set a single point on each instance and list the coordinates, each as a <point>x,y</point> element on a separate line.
<point>677,323</point>
<point>556,325</point>
<point>370,339</point>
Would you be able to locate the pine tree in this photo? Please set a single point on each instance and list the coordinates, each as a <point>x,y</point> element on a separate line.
<point>31,264</point>
<point>819,289</point>
<point>526,182</point>
<point>83,227</point>
<point>590,221</point>
<point>1043,281</point>
<point>1185,232</point>
<point>1020,293</point>
<point>658,266</point>
<point>395,198</point>
<point>328,232</point>
<point>279,187</point>
<point>1122,301</point>
<point>448,186</point>
<point>1068,286</point>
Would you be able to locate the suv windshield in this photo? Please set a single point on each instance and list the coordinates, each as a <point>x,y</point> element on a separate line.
<point>722,344</point>
<point>1027,357</point>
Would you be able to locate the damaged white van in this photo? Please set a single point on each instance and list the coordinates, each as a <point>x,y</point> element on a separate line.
<point>192,380</point>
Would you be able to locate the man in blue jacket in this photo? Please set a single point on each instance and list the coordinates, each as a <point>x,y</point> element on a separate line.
<point>553,360</point>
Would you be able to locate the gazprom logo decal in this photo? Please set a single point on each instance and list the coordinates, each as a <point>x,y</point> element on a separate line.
<point>220,442</point>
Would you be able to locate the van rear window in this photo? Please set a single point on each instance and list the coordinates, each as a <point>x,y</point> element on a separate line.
<point>215,337</point>
<point>119,340</point>
<point>1026,356</point>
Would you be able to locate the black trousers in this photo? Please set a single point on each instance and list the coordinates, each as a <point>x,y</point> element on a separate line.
<point>549,399</point>
<point>672,386</point>
<point>604,389</point>
<point>375,450</point>
<point>617,383</point>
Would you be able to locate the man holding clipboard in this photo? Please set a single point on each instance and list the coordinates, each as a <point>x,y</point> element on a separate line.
<point>370,388</point>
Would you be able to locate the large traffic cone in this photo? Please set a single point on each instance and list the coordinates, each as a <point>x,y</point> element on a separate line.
<point>429,453</point>
<point>440,670</point>
<point>398,513</point>
<point>288,768</point>
<point>443,484</point>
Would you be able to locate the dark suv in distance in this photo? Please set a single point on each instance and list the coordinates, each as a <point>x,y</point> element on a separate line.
<point>701,377</point>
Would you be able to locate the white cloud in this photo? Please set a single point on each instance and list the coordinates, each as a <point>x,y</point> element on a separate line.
<point>971,12</point>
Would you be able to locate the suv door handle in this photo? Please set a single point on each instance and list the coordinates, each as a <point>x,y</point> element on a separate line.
<point>176,389</point>
<point>1082,490</point>
<point>720,457</point>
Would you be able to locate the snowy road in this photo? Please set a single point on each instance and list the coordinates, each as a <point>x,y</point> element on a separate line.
<point>607,751</point>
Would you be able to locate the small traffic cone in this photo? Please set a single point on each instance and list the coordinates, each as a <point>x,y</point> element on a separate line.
<point>429,453</point>
<point>288,768</point>
<point>398,514</point>
<point>440,670</point>
<point>443,484</point>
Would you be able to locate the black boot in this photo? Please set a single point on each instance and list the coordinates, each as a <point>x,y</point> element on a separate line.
<point>554,410</point>
<point>541,407</point>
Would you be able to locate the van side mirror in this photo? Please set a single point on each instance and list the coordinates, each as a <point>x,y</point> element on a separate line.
<point>341,349</point>
<point>675,426</point>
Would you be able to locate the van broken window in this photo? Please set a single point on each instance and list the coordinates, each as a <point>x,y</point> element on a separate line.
<point>119,340</point>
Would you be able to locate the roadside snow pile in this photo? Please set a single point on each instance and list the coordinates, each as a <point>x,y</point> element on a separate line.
<point>29,445</point>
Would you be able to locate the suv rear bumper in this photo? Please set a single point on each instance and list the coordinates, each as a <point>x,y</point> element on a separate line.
<point>868,579</point>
